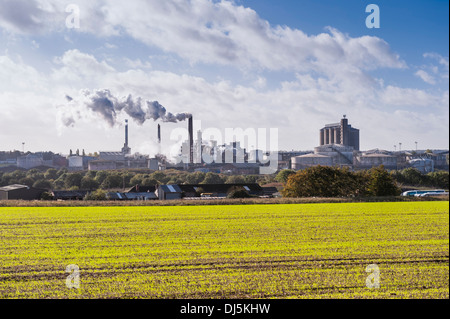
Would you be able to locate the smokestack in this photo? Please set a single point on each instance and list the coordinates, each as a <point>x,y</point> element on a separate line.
<point>191,140</point>
<point>126,133</point>
<point>159,139</point>
<point>159,133</point>
<point>126,149</point>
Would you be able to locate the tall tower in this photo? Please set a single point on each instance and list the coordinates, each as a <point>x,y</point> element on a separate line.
<point>191,140</point>
<point>344,131</point>
<point>159,139</point>
<point>126,150</point>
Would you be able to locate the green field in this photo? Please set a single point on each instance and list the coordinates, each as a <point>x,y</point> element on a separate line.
<point>249,251</point>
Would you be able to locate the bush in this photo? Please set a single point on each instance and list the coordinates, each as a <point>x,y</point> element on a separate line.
<point>98,195</point>
<point>283,176</point>
<point>381,183</point>
<point>46,196</point>
<point>238,193</point>
<point>324,181</point>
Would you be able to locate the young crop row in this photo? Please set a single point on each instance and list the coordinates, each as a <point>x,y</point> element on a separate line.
<point>277,251</point>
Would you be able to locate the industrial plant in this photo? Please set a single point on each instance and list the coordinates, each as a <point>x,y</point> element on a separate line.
<point>339,145</point>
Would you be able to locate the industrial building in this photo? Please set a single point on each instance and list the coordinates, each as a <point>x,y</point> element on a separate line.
<point>20,192</point>
<point>374,158</point>
<point>326,155</point>
<point>340,133</point>
<point>168,192</point>
<point>219,190</point>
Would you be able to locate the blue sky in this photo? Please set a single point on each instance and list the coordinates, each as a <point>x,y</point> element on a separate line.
<point>290,65</point>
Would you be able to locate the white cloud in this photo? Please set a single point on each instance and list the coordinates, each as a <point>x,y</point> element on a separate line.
<point>299,108</point>
<point>443,65</point>
<point>332,76</point>
<point>425,77</point>
<point>205,31</point>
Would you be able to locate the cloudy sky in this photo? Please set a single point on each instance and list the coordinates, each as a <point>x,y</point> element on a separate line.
<point>294,65</point>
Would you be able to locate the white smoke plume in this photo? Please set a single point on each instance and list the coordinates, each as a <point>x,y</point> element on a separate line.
<point>107,106</point>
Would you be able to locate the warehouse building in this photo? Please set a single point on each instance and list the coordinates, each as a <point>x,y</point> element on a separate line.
<point>168,192</point>
<point>219,190</point>
<point>20,192</point>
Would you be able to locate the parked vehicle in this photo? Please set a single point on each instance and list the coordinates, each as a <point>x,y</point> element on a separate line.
<point>420,192</point>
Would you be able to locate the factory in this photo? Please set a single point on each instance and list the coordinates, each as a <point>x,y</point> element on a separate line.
<point>340,146</point>
<point>123,159</point>
<point>339,143</point>
<point>340,134</point>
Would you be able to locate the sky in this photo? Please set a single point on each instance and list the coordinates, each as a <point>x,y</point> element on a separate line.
<point>72,72</point>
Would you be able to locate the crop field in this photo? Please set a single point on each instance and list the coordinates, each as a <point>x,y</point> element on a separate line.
<point>248,251</point>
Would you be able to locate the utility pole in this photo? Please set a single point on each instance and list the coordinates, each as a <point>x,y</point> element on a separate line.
<point>23,147</point>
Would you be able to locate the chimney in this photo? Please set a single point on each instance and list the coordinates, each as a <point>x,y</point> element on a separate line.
<point>126,150</point>
<point>126,133</point>
<point>191,139</point>
<point>159,133</point>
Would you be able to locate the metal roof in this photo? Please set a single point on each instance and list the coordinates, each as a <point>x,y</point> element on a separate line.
<point>171,188</point>
<point>13,187</point>
<point>131,196</point>
<point>141,189</point>
<point>219,188</point>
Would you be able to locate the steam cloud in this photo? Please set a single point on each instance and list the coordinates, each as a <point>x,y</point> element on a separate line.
<point>103,103</point>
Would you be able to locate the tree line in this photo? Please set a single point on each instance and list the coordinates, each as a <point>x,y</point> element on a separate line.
<point>324,181</point>
<point>62,179</point>
<point>329,181</point>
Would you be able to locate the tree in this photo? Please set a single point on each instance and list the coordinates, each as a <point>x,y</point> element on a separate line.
<point>101,176</point>
<point>235,179</point>
<point>62,171</point>
<point>250,179</point>
<point>439,179</point>
<point>381,183</point>
<point>27,181</point>
<point>160,177</point>
<point>89,183</point>
<point>195,178</point>
<point>99,195</point>
<point>112,181</point>
<point>412,176</point>
<point>324,181</point>
<point>283,176</point>
<point>73,179</point>
<point>149,182</point>
<point>43,184</point>
<point>212,178</point>
<point>136,180</point>
<point>238,192</point>
<point>51,173</point>
<point>46,196</point>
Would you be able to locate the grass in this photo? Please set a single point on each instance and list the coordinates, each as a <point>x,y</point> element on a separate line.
<point>225,201</point>
<point>233,251</point>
